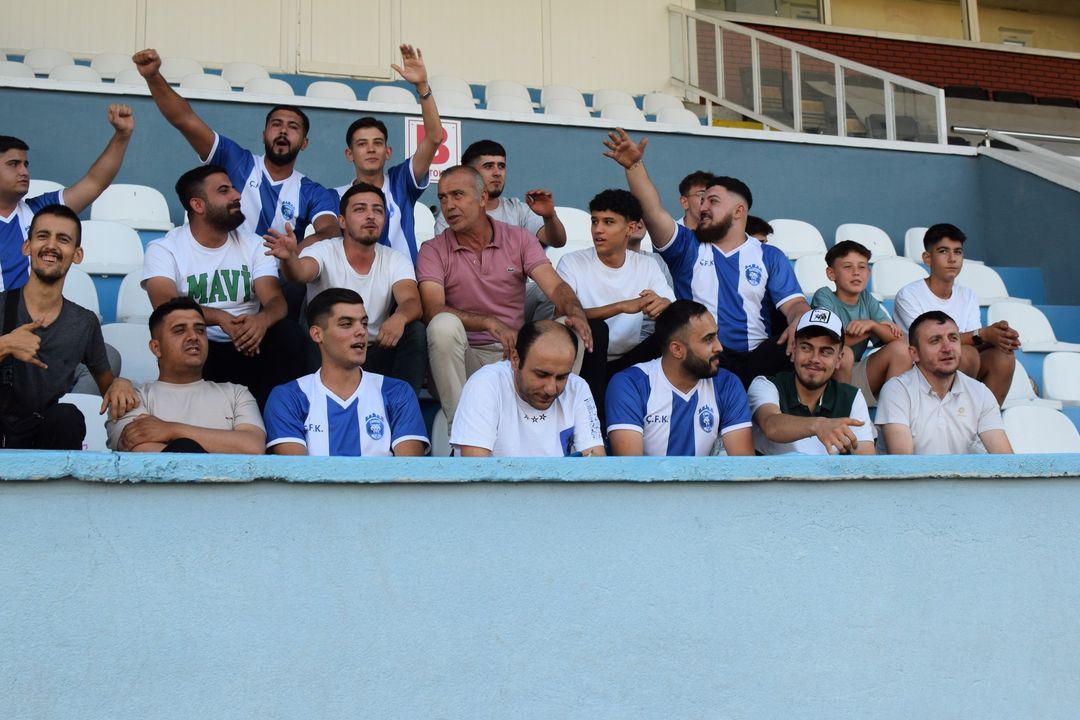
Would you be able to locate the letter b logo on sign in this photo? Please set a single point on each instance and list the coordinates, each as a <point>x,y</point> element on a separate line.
<point>449,152</point>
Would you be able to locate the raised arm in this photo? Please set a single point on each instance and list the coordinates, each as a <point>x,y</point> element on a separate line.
<point>283,246</point>
<point>176,109</point>
<point>87,189</point>
<point>542,202</point>
<point>622,150</point>
<point>412,69</point>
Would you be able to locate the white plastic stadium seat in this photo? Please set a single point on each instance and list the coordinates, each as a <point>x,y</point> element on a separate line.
<point>874,239</point>
<point>1061,377</point>
<point>108,64</point>
<point>132,302</point>
<point>796,238</point>
<point>453,100</point>
<point>11,69</point>
<point>89,405</point>
<point>678,116</point>
<point>511,104</point>
<point>203,81</point>
<point>269,86</point>
<point>622,113</point>
<point>561,92</point>
<point>132,341</point>
<point>913,243</point>
<point>810,272</point>
<point>449,82</point>
<point>578,224</point>
<point>238,73</point>
<point>1036,334</point>
<point>40,187</point>
<point>75,73</point>
<point>44,60</point>
<point>440,435</point>
<point>567,108</point>
<point>890,274</point>
<point>330,90</point>
<point>602,98</point>
<point>1034,429</point>
<point>138,206</point>
<point>110,248</point>
<point>391,94</point>
<point>79,289</point>
<point>423,222</point>
<point>1021,392</point>
<point>175,69</point>
<point>129,77</point>
<point>506,87</point>
<point>986,283</point>
<point>654,102</point>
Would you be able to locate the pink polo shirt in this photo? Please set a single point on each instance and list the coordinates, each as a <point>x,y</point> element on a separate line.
<point>492,283</point>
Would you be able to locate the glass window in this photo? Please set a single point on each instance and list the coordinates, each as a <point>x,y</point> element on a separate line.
<point>929,18</point>
<point>793,9</point>
<point>1047,24</point>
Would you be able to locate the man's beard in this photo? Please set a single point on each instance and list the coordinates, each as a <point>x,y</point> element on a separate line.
<point>716,231</point>
<point>495,194</point>
<point>699,368</point>
<point>223,218</point>
<point>280,159</point>
<point>811,385</point>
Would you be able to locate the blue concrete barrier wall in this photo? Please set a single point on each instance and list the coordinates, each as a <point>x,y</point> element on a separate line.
<point>740,588</point>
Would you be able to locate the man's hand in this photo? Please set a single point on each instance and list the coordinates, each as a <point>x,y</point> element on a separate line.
<point>23,344</point>
<point>148,62</point>
<point>580,325</point>
<point>541,202</point>
<point>893,329</point>
<point>144,429</point>
<point>1001,336</point>
<point>122,119</point>
<point>281,245</point>
<point>390,331</point>
<point>622,149</point>
<point>119,399</point>
<point>835,433</point>
<point>787,338</point>
<point>251,329</point>
<point>652,304</point>
<point>504,334</point>
<point>412,66</point>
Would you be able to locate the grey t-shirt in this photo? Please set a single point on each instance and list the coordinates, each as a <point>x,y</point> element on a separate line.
<point>73,338</point>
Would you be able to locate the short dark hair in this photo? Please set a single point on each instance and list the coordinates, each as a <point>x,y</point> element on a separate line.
<point>482,147</point>
<point>757,226</point>
<point>620,202</point>
<point>733,185</point>
<point>531,331</point>
<point>931,316</point>
<point>360,187</point>
<point>293,109</point>
<point>937,233</point>
<point>180,302</point>
<point>190,184</point>
<point>7,142</point>
<point>675,317</point>
<point>365,122</point>
<point>322,304</point>
<point>845,248</point>
<point>698,177</point>
<point>59,211</point>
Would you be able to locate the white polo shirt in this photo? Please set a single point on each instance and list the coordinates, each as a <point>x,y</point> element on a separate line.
<point>949,426</point>
<point>763,392</point>
<point>915,298</point>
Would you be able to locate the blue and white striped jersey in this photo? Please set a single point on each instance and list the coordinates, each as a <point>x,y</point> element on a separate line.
<point>13,229</point>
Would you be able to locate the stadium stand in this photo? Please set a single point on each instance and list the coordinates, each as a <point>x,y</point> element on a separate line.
<point>74,73</point>
<point>564,108</point>
<point>204,81</point>
<point>268,86</point>
<point>41,186</point>
<point>514,104</point>
<point>1061,377</point>
<point>138,206</point>
<point>874,239</point>
<point>423,222</point>
<point>175,69</point>
<point>560,92</point>
<point>79,288</point>
<point>810,272</point>
<point>512,88</point>
<point>796,238</point>
<point>653,103</point>
<point>986,283</point>
<point>132,302</point>
<point>622,113</point>
<point>44,60</point>
<point>330,90</point>
<point>892,273</point>
<point>449,83</point>
<point>1036,334</point>
<point>1021,391</point>
<point>913,243</point>
<point>9,69</point>
<point>678,116</point>
<point>605,98</point>
<point>109,64</point>
<point>391,94</point>
<point>1035,429</point>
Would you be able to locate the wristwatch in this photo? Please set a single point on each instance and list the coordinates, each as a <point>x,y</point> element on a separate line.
<point>976,339</point>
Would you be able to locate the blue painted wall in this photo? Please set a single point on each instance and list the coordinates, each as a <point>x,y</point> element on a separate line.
<point>574,598</point>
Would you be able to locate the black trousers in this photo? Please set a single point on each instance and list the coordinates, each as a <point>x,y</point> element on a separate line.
<point>596,370</point>
<point>280,359</point>
<point>766,359</point>
<point>408,360</point>
<point>59,426</point>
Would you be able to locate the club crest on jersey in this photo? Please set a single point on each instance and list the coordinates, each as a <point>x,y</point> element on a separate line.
<point>288,210</point>
<point>706,418</point>
<point>375,426</point>
<point>753,274</point>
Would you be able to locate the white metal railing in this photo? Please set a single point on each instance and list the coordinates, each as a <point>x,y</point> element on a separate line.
<point>900,101</point>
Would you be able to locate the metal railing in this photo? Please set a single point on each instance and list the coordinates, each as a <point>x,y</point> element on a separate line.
<point>795,88</point>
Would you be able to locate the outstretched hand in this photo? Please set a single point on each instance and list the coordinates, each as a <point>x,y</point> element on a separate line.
<point>280,245</point>
<point>622,149</point>
<point>412,66</point>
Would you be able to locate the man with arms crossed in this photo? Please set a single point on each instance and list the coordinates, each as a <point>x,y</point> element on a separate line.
<point>181,412</point>
<point>680,403</point>
<point>806,410</point>
<point>342,410</point>
<point>933,409</point>
<point>529,405</point>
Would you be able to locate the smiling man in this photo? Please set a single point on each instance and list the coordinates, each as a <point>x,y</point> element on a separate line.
<point>342,410</point>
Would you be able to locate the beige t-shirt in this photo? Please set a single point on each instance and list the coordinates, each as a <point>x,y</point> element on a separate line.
<point>218,406</point>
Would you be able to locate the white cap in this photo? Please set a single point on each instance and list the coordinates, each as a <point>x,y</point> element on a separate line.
<point>820,317</point>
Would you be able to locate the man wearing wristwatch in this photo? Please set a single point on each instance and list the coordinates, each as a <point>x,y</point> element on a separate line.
<point>987,353</point>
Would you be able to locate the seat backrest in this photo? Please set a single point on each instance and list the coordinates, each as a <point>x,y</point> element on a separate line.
<point>506,87</point>
<point>204,81</point>
<point>1020,389</point>
<point>984,281</point>
<point>566,108</point>
<point>678,116</point>
<point>440,435</point>
<point>890,274</point>
<point>139,206</point>
<point>913,243</point>
<point>175,69</point>
<point>132,341</point>
<point>110,248</point>
<point>44,60</point>
<point>40,187</point>
<point>876,240</point>
<point>655,102</point>
<point>11,69</point>
<point>578,224</point>
<point>330,90</point>
<point>453,100</point>
<point>449,82</point>
<point>1025,319</point>
<point>79,289</point>
<point>96,437</point>
<point>269,86</point>
<point>796,238</point>
<point>132,302</point>
<point>129,77</point>
<point>391,94</point>
<point>510,103</point>
<point>810,272</point>
<point>74,73</point>
<point>238,73</point>
<point>1036,429</point>
<point>108,64</point>
<point>602,98</point>
<point>560,92</point>
<point>622,113</point>
<point>1061,377</point>
<point>423,222</point>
